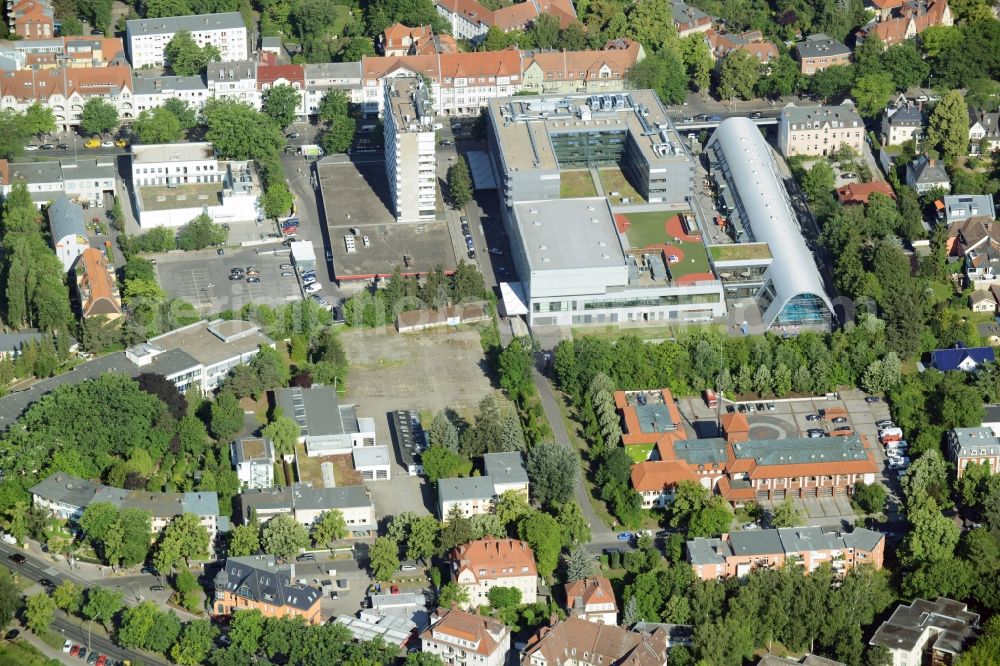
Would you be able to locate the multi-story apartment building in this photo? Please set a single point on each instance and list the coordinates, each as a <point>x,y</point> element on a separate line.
<point>236,80</point>
<point>410,145</point>
<point>145,39</point>
<point>471,20</point>
<point>567,72</point>
<point>576,642</point>
<point>689,20</point>
<point>819,130</point>
<point>306,504</point>
<point>817,52</point>
<point>153,91</point>
<point>460,638</point>
<point>902,123</point>
<point>66,496</point>
<point>739,553</point>
<point>481,565</point>
<point>253,459</point>
<point>896,21</point>
<point>173,164</point>
<point>96,286</point>
<point>323,77</point>
<point>927,632</point>
<point>66,90</point>
<point>81,179</point>
<point>592,599</point>
<point>476,494</point>
<point>270,74</point>
<point>67,52</point>
<point>973,445</point>
<point>257,583</point>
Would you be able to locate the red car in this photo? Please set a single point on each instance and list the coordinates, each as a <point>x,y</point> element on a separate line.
<point>394,589</point>
<point>100,660</point>
<point>75,650</point>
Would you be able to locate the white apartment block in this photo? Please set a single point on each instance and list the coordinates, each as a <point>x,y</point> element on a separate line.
<point>145,39</point>
<point>253,459</point>
<point>481,565</point>
<point>174,164</point>
<point>323,77</point>
<point>152,92</point>
<point>410,162</point>
<point>235,80</point>
<point>819,130</point>
<point>461,638</point>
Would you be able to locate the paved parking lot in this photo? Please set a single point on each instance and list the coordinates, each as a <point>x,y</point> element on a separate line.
<point>202,278</point>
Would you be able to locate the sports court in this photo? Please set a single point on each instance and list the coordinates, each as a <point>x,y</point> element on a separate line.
<point>684,253</point>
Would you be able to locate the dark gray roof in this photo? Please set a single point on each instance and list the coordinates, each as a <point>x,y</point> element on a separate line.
<point>924,171</point>
<point>807,660</point>
<point>992,413</point>
<point>66,219</point>
<point>88,167</point>
<point>172,24</point>
<point>231,71</point>
<point>304,497</point>
<point>469,488</point>
<point>819,45</point>
<point>787,541</point>
<point>682,13</point>
<point>150,85</point>
<point>11,343</point>
<point>258,578</point>
<point>171,362</point>
<point>68,489</point>
<point>409,434</point>
<point>505,467</point>
<point>954,625</point>
<point>844,113</point>
<point>317,411</point>
<point>333,70</point>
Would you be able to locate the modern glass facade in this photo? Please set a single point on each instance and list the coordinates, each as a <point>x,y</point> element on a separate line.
<point>589,149</point>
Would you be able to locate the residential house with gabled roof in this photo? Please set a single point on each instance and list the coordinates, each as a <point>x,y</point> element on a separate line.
<point>984,132</point>
<point>739,553</point>
<point>66,90</point>
<point>982,267</point>
<point>819,130</point>
<point>592,599</point>
<point>475,495</point>
<point>67,230</point>
<point>598,71</point>
<point>855,194</point>
<point>401,40</point>
<point>961,207</point>
<point>753,42</point>
<point>961,358</point>
<point>31,19</point>
<point>982,301</point>
<point>96,286</point>
<point>257,582</point>
<point>925,174</point>
<point>460,638</point>
<point>805,660</point>
<point>819,51</point>
<point>581,643</point>
<point>902,123</point>
<point>973,445</point>
<point>689,20</point>
<point>972,234</point>
<point>270,75</point>
<point>470,20</point>
<point>933,632</point>
<point>486,563</point>
<point>899,20</point>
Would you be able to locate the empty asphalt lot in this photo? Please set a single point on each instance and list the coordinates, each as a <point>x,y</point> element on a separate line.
<point>202,278</point>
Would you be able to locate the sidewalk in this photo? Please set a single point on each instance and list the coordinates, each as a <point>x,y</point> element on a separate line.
<point>44,648</point>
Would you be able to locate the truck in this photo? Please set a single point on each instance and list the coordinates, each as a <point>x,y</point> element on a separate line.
<point>890,435</point>
<point>833,413</point>
<point>710,398</point>
<point>311,150</point>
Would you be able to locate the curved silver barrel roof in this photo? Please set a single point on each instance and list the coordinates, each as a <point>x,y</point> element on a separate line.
<point>768,214</point>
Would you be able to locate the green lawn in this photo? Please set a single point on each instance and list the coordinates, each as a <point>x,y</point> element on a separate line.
<point>740,251</point>
<point>649,229</point>
<point>639,452</point>
<point>342,20</point>
<point>576,184</point>
<point>614,180</point>
<point>22,653</point>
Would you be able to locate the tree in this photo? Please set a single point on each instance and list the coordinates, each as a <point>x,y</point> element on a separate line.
<point>422,659</point>
<point>226,416</point>
<point>103,603</point>
<point>277,200</point>
<point>38,120</point>
<point>70,27</point>
<point>383,558</point>
<point>185,115</point>
<point>443,433</point>
<point>503,598</point>
<point>68,596</point>
<point>281,103</point>
<point>786,514</point>
<point>782,78</point>
<point>421,542</point>
<point>452,594</point>
<point>697,57</point>
<point>664,73</point>
<point>541,532</point>
<point>329,527</point>
<point>156,384</point>
<point>932,536</point>
<point>334,104</point>
<point>284,537</point>
<point>579,564</point>
<point>201,232</point>
<point>157,125</point>
<point>240,132</point>
<point>244,540</point>
<point>284,433</point>
<point>459,183</point>
<point>339,135</point>
<point>948,126</point>
<point>870,497</point>
<point>515,365</point>
<point>552,469</point>
<point>136,623</point>
<point>194,644</point>
<point>39,611</point>
<point>185,58</point>
<point>738,75</point>
<point>700,514</point>
<point>441,463</point>
<point>184,538</point>
<point>456,531</point>
<point>98,116</point>
<point>97,521</point>
<point>832,81</point>
<point>872,92</point>
<point>246,629</point>
<point>572,524</point>
<point>819,181</point>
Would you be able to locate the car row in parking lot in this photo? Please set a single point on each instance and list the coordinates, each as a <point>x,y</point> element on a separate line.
<point>750,408</point>
<point>92,657</point>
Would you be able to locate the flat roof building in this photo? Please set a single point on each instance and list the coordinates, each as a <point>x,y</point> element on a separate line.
<point>410,145</point>
<point>792,292</point>
<point>306,504</point>
<point>578,265</point>
<point>253,458</point>
<point>533,138</point>
<point>940,629</point>
<point>325,426</point>
<point>146,39</point>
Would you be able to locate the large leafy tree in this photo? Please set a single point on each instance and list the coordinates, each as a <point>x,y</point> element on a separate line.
<point>184,538</point>
<point>201,232</point>
<point>185,57</point>
<point>541,532</point>
<point>329,527</point>
<point>194,644</point>
<point>459,183</point>
<point>158,125</point>
<point>39,611</point>
<point>244,540</point>
<point>281,103</point>
<point>948,126</point>
<point>552,469</point>
<point>738,75</point>
<point>103,603</point>
<point>663,72</point>
<point>383,558</point>
<point>240,132</point>
<point>283,536</point>
<point>226,416</point>
<point>98,116</point>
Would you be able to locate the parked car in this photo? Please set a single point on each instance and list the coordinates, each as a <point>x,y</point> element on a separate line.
<point>625,536</point>
<point>407,567</point>
<point>101,661</point>
<point>751,526</point>
<point>306,557</point>
<point>11,635</point>
<point>107,144</point>
<point>472,253</point>
<point>884,423</point>
<point>236,276</point>
<point>156,588</point>
<point>46,583</point>
<point>47,146</point>
<point>313,288</point>
<point>446,142</point>
<point>17,558</point>
<point>287,274</point>
<point>253,280</point>
<point>63,146</point>
<point>815,432</point>
<point>285,267</point>
<point>756,114</point>
<point>67,646</point>
<point>74,651</point>
<point>714,118</point>
<point>293,135</point>
<point>843,428</point>
<point>31,146</point>
<point>840,419</point>
<point>813,417</point>
<point>872,399</point>
<point>92,142</point>
<point>92,659</point>
<point>82,654</point>
<point>760,406</point>
<point>394,589</point>
<point>308,280</point>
